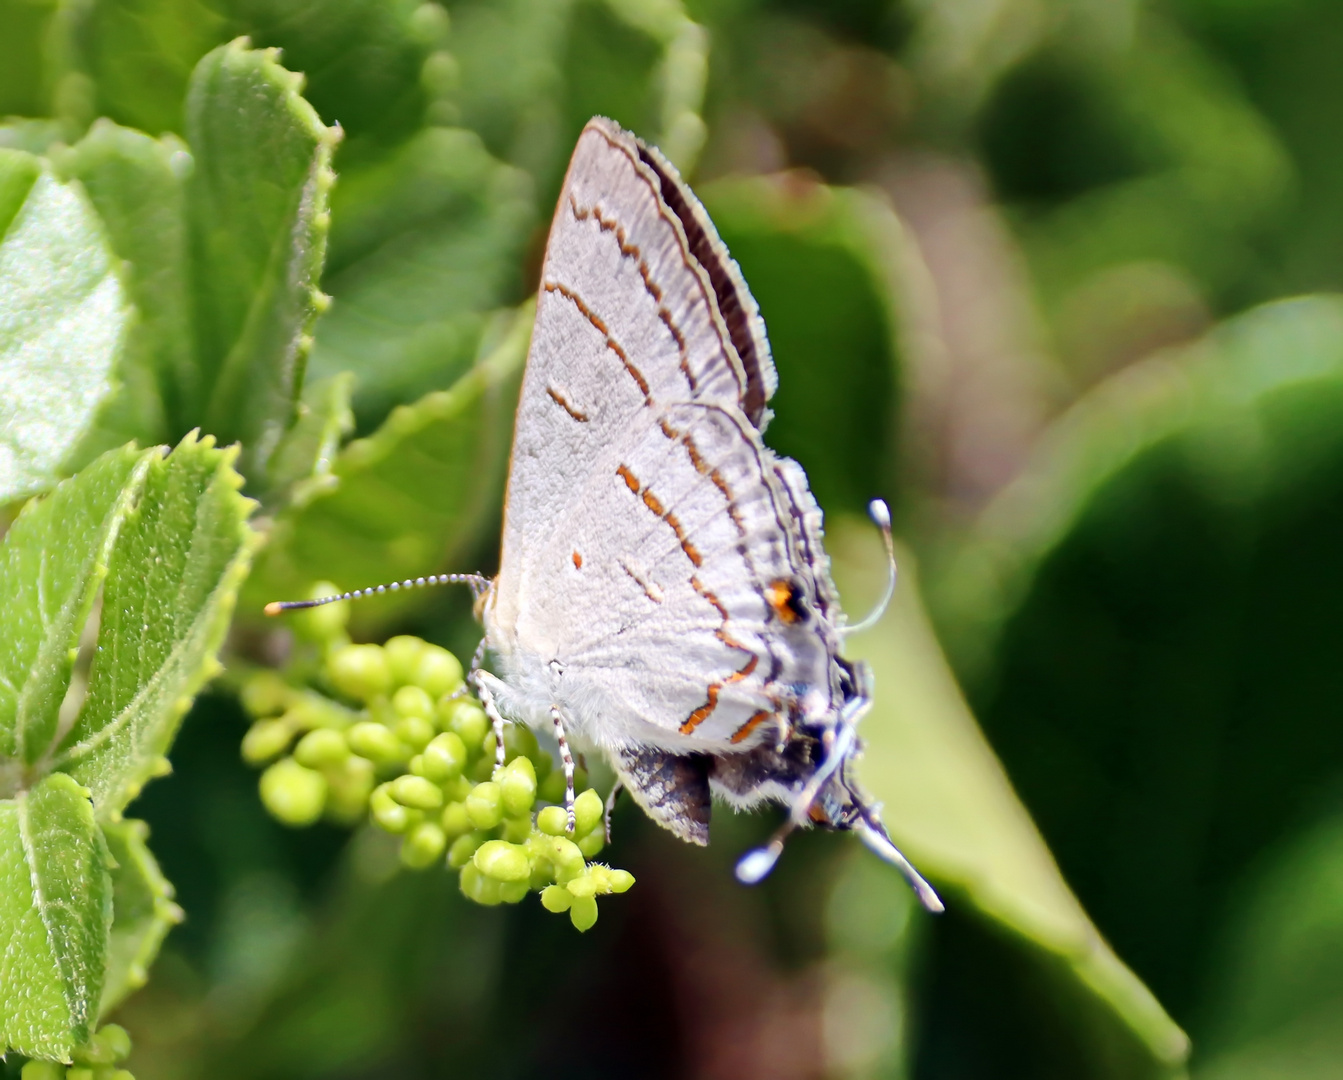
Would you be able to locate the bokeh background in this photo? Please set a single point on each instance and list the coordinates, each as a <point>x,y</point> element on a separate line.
<point>1061,280</point>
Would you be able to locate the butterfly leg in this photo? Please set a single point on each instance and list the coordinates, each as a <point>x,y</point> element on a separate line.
<point>483,679</point>
<point>616,789</point>
<point>477,659</point>
<point>568,760</point>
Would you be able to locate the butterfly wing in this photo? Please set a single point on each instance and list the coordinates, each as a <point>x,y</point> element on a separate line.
<point>654,549</point>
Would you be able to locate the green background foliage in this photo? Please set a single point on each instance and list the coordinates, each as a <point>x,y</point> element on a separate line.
<point>1056,279</point>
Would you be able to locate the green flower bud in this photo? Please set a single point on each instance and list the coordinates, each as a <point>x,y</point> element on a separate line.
<point>459,855</point>
<point>553,821</point>
<point>581,779</point>
<point>444,757</point>
<point>107,1046</point>
<point>517,830</point>
<point>321,748</point>
<point>403,657</point>
<point>79,1072</point>
<point>519,741</point>
<point>592,844</point>
<point>517,785</point>
<point>583,885</point>
<point>322,623</point>
<point>372,740</point>
<point>359,671</point>
<point>466,718</point>
<point>458,788</point>
<point>293,795</point>
<point>484,806</point>
<point>122,1074</point>
<point>583,913</point>
<point>543,764</point>
<point>438,672</point>
<point>587,812</point>
<point>387,813</point>
<point>567,857</point>
<point>423,845</point>
<point>482,768</point>
<point>551,789</point>
<point>502,861</point>
<point>556,898</point>
<point>265,694</point>
<point>266,739</point>
<point>43,1070</point>
<point>308,710</point>
<point>510,892</point>
<point>476,886</point>
<point>454,820</point>
<point>416,792</point>
<point>414,731</point>
<point>618,881</point>
<point>349,786</point>
<point>412,701</point>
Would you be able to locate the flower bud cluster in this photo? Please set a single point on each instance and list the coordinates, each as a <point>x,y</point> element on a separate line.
<point>98,1059</point>
<point>389,731</point>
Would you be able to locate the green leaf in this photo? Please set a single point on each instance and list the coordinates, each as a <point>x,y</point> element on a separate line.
<point>53,559</point>
<point>55,910</point>
<point>424,246</point>
<point>414,496</point>
<point>136,185</point>
<point>172,581</point>
<point>951,808</point>
<point>23,89</point>
<point>142,911</point>
<point>822,263</point>
<point>302,464</point>
<point>63,317</point>
<point>257,202</point>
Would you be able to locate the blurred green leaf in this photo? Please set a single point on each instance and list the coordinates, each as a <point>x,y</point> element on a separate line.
<point>1145,619</point>
<point>55,909</point>
<point>136,185</point>
<point>425,244</point>
<point>173,576</point>
<point>23,91</point>
<point>823,265</point>
<point>257,201</point>
<point>413,497</point>
<point>142,911</point>
<point>302,464</point>
<point>52,563</point>
<point>63,318</point>
<point>950,807</point>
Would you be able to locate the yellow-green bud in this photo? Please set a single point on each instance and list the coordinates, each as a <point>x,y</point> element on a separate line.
<point>592,844</point>
<point>325,622</point>
<point>412,701</point>
<point>107,1046</point>
<point>389,814</point>
<point>484,806</point>
<point>266,739</point>
<point>403,657</point>
<point>517,830</point>
<point>265,694</point>
<point>476,886</point>
<point>359,671</point>
<point>43,1070</point>
<point>502,861</point>
<point>553,820</point>
<point>459,855</point>
<point>444,757</point>
<point>416,792</point>
<point>567,857</point>
<point>587,812</point>
<point>438,672</point>
<point>375,741</point>
<point>510,892</point>
<point>517,785</point>
<point>583,885</point>
<point>556,898</point>
<point>520,741</point>
<point>457,789</point>
<point>321,749</point>
<point>349,785</point>
<point>467,719</point>
<point>414,731</point>
<point>618,881</point>
<point>583,913</point>
<point>423,845</point>
<point>551,789</point>
<point>293,794</point>
<point>454,820</point>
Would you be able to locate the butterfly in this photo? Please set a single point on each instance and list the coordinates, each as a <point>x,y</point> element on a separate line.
<point>663,593</point>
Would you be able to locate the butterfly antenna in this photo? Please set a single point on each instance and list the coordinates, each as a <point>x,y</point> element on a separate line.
<point>881,517</point>
<point>478,583</point>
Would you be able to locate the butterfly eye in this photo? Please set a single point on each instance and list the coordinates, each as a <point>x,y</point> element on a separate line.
<point>787,601</point>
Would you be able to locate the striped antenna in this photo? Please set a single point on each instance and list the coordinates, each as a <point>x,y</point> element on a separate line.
<point>881,517</point>
<point>478,583</point>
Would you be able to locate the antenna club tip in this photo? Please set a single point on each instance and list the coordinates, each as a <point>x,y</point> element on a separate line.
<point>273,608</point>
<point>880,513</point>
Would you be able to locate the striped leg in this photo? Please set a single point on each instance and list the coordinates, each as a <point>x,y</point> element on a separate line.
<point>477,658</point>
<point>568,760</point>
<point>616,789</point>
<point>483,680</point>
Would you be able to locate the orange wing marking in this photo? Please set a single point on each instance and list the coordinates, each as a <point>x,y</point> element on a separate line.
<point>744,732</point>
<point>702,713</point>
<point>559,400</point>
<point>611,343</point>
